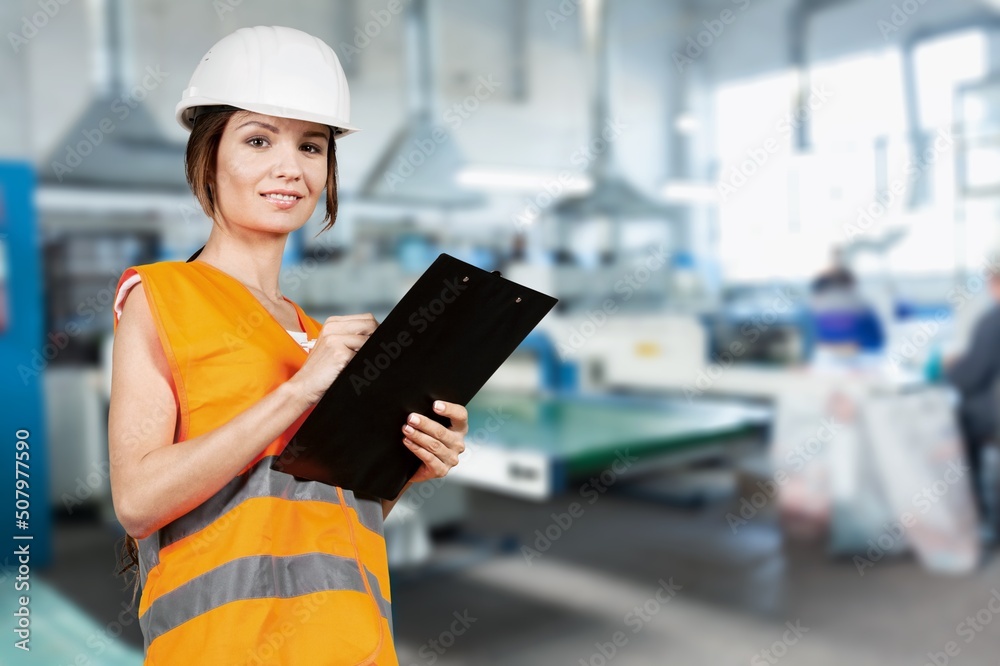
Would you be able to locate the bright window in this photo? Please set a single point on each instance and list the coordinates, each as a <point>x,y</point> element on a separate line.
<point>754,137</point>
<point>780,212</point>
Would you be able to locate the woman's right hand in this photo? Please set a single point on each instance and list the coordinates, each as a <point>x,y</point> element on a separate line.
<point>339,339</point>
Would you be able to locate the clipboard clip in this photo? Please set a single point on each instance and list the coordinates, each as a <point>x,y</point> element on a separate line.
<point>497,273</point>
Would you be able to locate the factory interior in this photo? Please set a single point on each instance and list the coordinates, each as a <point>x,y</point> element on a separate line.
<point>772,227</point>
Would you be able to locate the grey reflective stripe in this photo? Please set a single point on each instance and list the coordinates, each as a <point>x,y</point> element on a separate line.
<point>149,555</point>
<point>255,577</point>
<point>383,604</point>
<point>369,511</point>
<point>259,481</point>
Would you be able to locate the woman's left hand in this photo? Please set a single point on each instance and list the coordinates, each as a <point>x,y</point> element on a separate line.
<point>435,444</point>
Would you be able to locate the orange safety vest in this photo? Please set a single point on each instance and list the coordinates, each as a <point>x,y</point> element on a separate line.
<point>272,569</point>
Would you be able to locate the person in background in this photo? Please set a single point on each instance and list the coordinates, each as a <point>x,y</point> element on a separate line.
<point>845,322</point>
<point>975,375</point>
<point>838,276</point>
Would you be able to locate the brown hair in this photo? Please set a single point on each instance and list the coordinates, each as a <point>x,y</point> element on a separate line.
<point>199,165</point>
<point>129,557</point>
<point>203,150</point>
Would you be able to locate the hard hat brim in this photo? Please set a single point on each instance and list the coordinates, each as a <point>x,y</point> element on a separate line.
<point>184,113</point>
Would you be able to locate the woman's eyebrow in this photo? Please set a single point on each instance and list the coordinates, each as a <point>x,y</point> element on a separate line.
<point>277,131</point>
<point>257,122</point>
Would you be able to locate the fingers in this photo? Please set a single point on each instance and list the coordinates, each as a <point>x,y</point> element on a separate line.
<point>444,444</point>
<point>458,414</point>
<point>352,342</point>
<point>452,437</point>
<point>430,460</point>
<point>353,326</point>
<point>366,315</point>
<point>437,446</point>
<point>361,324</point>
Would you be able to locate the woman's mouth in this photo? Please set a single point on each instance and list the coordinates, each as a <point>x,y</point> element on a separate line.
<point>282,201</point>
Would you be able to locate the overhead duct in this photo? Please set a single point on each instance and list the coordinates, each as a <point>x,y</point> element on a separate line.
<point>116,142</point>
<point>422,161</point>
<point>611,196</point>
<point>799,22</point>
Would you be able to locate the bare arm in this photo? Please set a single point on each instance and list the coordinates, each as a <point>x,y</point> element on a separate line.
<point>154,480</point>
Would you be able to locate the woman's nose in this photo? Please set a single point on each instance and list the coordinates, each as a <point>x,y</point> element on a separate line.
<point>287,163</point>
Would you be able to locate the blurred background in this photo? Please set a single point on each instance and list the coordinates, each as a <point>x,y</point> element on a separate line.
<point>757,427</point>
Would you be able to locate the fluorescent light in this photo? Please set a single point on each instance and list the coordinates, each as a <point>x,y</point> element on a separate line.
<point>689,192</point>
<point>103,201</point>
<point>508,180</point>
<point>688,123</point>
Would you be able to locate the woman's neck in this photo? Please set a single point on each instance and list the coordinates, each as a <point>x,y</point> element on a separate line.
<point>256,264</point>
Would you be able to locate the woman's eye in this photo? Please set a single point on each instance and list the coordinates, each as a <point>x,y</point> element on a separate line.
<point>251,141</point>
<point>313,148</point>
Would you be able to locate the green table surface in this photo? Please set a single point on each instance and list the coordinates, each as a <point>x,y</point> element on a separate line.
<point>587,433</point>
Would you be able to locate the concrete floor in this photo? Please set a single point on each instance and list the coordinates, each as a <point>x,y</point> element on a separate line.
<point>738,592</point>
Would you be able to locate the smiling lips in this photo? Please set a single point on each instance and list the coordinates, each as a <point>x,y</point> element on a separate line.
<point>283,200</point>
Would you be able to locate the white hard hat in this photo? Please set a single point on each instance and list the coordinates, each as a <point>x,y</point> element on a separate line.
<point>273,70</point>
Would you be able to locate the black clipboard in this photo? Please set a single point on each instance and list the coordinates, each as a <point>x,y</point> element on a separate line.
<point>444,339</point>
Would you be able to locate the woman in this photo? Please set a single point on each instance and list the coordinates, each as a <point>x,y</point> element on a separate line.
<point>241,564</point>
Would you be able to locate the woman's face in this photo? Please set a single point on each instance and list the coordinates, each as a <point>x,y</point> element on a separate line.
<point>260,156</point>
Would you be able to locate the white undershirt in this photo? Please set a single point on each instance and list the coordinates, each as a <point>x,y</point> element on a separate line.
<point>300,337</point>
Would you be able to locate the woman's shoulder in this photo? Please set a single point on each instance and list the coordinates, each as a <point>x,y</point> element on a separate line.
<point>134,275</point>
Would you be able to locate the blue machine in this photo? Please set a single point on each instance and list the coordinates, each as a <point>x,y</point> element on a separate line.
<point>24,353</point>
<point>558,376</point>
